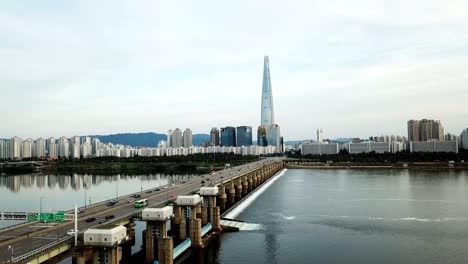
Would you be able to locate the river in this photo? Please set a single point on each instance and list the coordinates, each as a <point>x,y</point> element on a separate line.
<point>352,216</point>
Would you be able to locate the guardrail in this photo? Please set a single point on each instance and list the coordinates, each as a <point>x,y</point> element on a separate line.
<point>43,249</point>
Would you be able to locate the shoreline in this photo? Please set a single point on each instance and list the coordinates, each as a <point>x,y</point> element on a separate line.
<point>402,166</point>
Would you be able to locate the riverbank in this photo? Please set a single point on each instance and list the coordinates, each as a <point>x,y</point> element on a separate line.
<point>135,165</point>
<point>350,165</point>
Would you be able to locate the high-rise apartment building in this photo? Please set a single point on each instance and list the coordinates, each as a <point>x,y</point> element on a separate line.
<point>27,148</point>
<point>214,137</point>
<point>52,148</point>
<point>176,140</point>
<point>425,130</point>
<point>274,135</point>
<point>15,148</point>
<point>39,148</point>
<point>4,154</point>
<point>244,136</point>
<point>464,139</point>
<point>169,138</point>
<point>228,136</point>
<point>63,147</point>
<point>319,135</point>
<point>187,138</point>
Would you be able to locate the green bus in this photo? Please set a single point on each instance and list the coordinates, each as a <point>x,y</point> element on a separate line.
<point>141,203</point>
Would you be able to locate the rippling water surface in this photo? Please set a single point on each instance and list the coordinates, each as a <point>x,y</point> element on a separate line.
<point>352,216</point>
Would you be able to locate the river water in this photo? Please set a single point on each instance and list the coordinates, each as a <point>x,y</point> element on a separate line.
<point>352,216</point>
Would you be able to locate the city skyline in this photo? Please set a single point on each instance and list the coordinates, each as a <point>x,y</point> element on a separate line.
<point>360,70</point>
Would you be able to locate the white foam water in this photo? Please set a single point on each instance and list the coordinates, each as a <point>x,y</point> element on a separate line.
<point>239,208</point>
<point>285,217</point>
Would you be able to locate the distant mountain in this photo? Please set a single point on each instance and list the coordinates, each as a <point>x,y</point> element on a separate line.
<point>148,139</point>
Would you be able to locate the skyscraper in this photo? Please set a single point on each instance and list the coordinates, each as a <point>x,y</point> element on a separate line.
<point>244,136</point>
<point>214,136</point>
<point>228,136</point>
<point>268,116</point>
<point>187,138</point>
<point>268,132</point>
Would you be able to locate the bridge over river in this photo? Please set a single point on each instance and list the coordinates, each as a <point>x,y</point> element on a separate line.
<point>38,242</point>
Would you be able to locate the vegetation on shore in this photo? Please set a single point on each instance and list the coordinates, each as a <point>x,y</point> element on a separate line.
<point>197,163</point>
<point>383,158</point>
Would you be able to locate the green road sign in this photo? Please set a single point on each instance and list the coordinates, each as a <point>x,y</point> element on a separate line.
<point>47,217</point>
<point>60,216</point>
<point>33,217</point>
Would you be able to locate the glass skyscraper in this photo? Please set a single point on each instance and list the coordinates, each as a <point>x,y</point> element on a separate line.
<point>244,136</point>
<point>268,132</point>
<point>268,116</point>
<point>228,136</point>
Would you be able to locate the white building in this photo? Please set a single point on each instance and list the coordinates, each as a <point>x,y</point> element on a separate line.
<point>52,148</point>
<point>187,138</point>
<point>319,135</point>
<point>39,148</point>
<point>15,148</point>
<point>86,150</point>
<point>320,149</point>
<point>27,149</point>
<point>63,148</point>
<point>4,149</point>
<point>366,147</point>
<point>434,146</point>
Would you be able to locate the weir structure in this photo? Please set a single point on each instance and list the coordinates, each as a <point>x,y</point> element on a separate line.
<point>189,219</point>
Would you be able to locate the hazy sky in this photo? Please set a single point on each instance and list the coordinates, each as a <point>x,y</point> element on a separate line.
<point>353,68</point>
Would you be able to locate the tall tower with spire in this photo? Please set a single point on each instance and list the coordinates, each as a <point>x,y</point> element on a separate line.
<point>268,132</point>
<point>268,115</point>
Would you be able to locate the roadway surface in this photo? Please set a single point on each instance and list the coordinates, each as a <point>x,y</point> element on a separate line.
<point>28,238</point>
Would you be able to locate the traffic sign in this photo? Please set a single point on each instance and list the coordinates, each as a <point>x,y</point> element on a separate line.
<point>33,217</point>
<point>47,217</point>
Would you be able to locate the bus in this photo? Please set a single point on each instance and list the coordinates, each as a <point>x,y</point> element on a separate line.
<point>141,203</point>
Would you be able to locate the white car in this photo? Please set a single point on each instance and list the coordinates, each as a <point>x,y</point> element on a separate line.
<point>165,187</point>
<point>71,232</point>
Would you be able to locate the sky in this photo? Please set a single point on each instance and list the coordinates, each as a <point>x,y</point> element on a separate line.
<point>353,68</point>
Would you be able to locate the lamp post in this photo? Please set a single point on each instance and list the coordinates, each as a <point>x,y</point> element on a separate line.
<point>84,198</point>
<point>40,207</point>
<point>10,248</point>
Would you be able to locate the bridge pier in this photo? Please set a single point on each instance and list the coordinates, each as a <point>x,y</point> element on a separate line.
<point>231,194</point>
<point>191,204</point>
<point>222,197</point>
<point>245,186</point>
<point>156,230</point>
<point>238,187</point>
<point>209,203</point>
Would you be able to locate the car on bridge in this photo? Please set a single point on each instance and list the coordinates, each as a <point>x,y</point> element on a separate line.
<point>109,217</point>
<point>90,219</point>
<point>136,196</point>
<point>112,203</point>
<point>71,232</point>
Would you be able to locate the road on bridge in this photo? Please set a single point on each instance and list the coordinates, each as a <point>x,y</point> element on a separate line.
<point>25,239</point>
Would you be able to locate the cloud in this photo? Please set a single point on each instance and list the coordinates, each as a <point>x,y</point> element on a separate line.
<point>355,68</point>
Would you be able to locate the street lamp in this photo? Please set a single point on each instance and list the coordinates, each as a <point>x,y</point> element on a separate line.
<point>10,248</point>
<point>40,207</point>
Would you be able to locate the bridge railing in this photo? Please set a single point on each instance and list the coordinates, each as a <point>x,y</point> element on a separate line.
<point>43,249</point>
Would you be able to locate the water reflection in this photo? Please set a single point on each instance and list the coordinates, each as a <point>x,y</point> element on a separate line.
<point>16,183</point>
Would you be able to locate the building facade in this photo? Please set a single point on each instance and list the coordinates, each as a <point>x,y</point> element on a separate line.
<point>214,137</point>
<point>187,138</point>
<point>228,137</point>
<point>244,136</point>
<point>425,130</point>
<point>464,139</point>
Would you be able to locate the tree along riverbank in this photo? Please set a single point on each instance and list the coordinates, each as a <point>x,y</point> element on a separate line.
<point>385,160</point>
<point>197,163</point>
